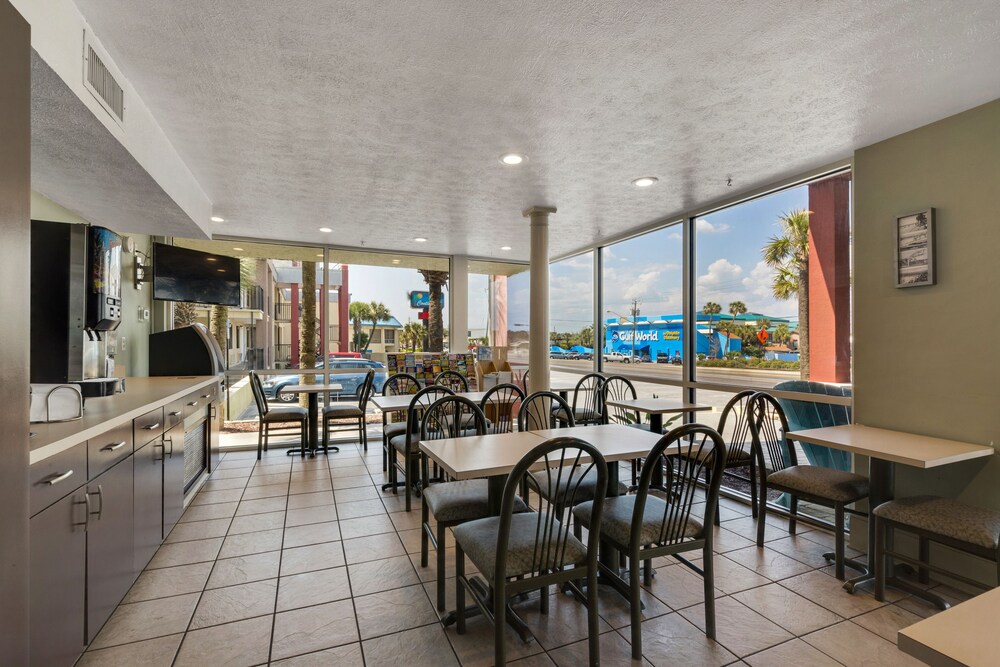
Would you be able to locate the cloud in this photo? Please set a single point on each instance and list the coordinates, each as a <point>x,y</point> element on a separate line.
<point>703,226</point>
<point>643,285</point>
<point>722,275</point>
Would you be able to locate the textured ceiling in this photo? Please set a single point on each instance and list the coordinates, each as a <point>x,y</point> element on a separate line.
<point>385,120</point>
<point>75,161</point>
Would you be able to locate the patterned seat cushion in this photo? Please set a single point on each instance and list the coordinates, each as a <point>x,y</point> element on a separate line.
<point>586,490</point>
<point>581,416</point>
<point>399,442</point>
<point>393,429</point>
<point>479,541</point>
<point>342,411</point>
<point>286,414</point>
<point>838,486</point>
<point>617,521</point>
<point>947,517</point>
<point>462,501</point>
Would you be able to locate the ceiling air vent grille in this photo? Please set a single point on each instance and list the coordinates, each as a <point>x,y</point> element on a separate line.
<point>101,82</point>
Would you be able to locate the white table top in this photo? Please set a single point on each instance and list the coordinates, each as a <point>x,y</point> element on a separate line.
<point>919,451</point>
<point>963,635</point>
<point>401,402</point>
<point>311,388</point>
<point>615,441</point>
<point>658,406</point>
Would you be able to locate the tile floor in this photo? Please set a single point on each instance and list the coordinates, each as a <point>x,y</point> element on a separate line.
<point>298,562</point>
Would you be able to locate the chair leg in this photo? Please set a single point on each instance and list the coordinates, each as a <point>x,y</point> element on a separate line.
<point>753,489</point>
<point>267,434</point>
<point>793,510</point>
<point>459,590</point>
<point>499,625</point>
<point>647,572</point>
<point>708,570</point>
<point>440,563</point>
<point>761,513</point>
<point>838,563</point>
<point>260,441</point>
<point>593,618</point>
<point>385,445</point>
<point>635,605</point>
<point>880,533</point>
<point>424,539</point>
<point>923,574</point>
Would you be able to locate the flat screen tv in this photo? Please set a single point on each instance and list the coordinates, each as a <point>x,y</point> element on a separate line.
<point>181,274</point>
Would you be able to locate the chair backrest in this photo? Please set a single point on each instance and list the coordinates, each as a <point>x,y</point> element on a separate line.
<point>422,400</point>
<point>588,397</point>
<point>257,388</point>
<point>619,388</point>
<point>366,390</point>
<point>693,451</point>
<point>453,380</point>
<point>768,427</point>
<point>536,411</point>
<point>734,425</point>
<point>806,414</point>
<point>400,383</point>
<point>524,380</point>
<point>500,404</point>
<point>564,465</point>
<point>452,417</point>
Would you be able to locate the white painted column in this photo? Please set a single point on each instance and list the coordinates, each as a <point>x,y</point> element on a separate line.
<point>538,347</point>
<point>458,309</point>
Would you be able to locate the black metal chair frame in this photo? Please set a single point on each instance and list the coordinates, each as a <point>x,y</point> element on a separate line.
<point>454,380</point>
<point>499,405</point>
<point>623,416</point>
<point>525,413</point>
<point>591,384</point>
<point>264,427</point>
<point>697,457</point>
<point>411,463</point>
<point>364,395</point>
<point>390,388</point>
<point>434,427</point>
<point>493,598</point>
<point>736,414</point>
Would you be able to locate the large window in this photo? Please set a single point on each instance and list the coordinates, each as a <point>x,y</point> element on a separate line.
<point>571,319</point>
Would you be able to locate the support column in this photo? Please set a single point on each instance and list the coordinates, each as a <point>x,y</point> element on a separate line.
<point>458,320</point>
<point>343,303</point>
<point>539,377</point>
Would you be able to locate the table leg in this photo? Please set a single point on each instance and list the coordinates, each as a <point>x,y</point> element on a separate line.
<point>656,426</point>
<point>881,489</point>
<point>313,423</point>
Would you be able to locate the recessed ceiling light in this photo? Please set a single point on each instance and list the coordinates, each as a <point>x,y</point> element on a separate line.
<point>211,259</point>
<point>395,261</point>
<point>505,247</point>
<point>645,181</point>
<point>419,239</point>
<point>325,230</point>
<point>216,218</point>
<point>238,249</point>
<point>511,159</point>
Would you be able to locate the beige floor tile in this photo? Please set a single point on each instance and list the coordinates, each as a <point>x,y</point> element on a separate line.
<point>351,482</point>
<point>304,500</point>
<point>311,486</point>
<point>198,530</point>
<point>169,581</point>
<point>245,544</point>
<point>310,588</point>
<point>795,652</point>
<point>671,640</point>
<point>423,647</point>
<point>157,652</point>
<point>223,484</point>
<point>537,660</point>
<point>731,577</point>
<point>615,650</point>
<point>261,505</point>
<point>475,647</point>
<point>373,547</point>
<point>828,592</point>
<point>269,491</point>
<point>565,623</point>
<point>726,540</point>
<point>789,610</point>
<point>678,587</point>
<point>393,611</point>
<point>271,468</point>
<point>244,569</point>
<point>206,512</point>
<point>768,562</point>
<point>308,515</point>
<point>853,645</point>
<point>312,629</point>
<point>808,551</point>
<point>887,621</point>
<point>348,655</point>
<point>270,478</point>
<point>312,557</point>
<point>359,508</point>
<point>239,644</point>
<point>406,520</point>
<point>368,525</point>
<point>617,612</point>
<point>146,620</point>
<point>314,533</point>
<point>429,573</point>
<point>235,603</point>
<point>740,629</point>
<point>186,553</point>
<point>213,497</point>
<point>231,473</point>
<point>381,575</point>
<point>337,472</point>
<point>358,494</point>
<point>253,523</point>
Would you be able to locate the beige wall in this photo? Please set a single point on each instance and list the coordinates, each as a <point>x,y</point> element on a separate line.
<point>925,358</point>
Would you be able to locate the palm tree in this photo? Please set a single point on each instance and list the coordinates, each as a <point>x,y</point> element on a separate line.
<point>358,312</point>
<point>736,308</point>
<point>219,319</point>
<point>435,316</point>
<point>310,325</point>
<point>782,334</point>
<point>788,254</point>
<point>380,313</point>
<point>185,314</point>
<point>711,309</point>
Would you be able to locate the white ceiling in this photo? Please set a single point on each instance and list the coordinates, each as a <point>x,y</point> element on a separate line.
<point>385,120</point>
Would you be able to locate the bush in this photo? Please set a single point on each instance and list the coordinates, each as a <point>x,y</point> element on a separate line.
<point>752,362</point>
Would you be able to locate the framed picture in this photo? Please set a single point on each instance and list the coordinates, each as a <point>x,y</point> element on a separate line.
<point>915,249</point>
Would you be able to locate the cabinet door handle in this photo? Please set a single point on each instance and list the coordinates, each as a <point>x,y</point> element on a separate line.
<point>52,481</point>
<point>155,445</point>
<point>175,413</point>
<point>206,396</point>
<point>152,426</point>
<point>192,404</point>
<point>171,452</point>
<point>100,496</point>
<point>86,518</point>
<point>111,448</point>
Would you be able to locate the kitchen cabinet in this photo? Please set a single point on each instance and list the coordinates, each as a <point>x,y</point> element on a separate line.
<point>173,477</point>
<point>147,519</point>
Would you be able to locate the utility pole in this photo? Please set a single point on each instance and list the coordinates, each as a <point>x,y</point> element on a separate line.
<point>635,314</point>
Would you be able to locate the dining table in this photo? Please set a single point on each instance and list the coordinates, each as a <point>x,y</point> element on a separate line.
<point>886,448</point>
<point>964,635</point>
<point>313,391</point>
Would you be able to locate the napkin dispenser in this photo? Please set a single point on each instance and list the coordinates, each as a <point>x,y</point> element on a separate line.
<point>56,403</point>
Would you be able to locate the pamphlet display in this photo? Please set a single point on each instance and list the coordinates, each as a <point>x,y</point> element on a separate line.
<point>426,366</point>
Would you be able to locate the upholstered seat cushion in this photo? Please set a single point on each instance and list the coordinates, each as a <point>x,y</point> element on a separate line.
<point>286,414</point>
<point>342,411</point>
<point>946,517</point>
<point>479,541</point>
<point>837,486</point>
<point>393,429</point>
<point>657,527</point>
<point>580,415</point>
<point>399,442</point>
<point>566,484</point>
<point>462,501</point>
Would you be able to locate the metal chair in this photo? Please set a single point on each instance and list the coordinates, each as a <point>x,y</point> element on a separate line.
<point>406,443</point>
<point>453,380</point>
<point>617,387</point>
<point>823,486</point>
<point>537,410</point>
<point>266,416</point>
<point>500,404</point>
<point>521,552</point>
<point>734,427</point>
<point>339,412</point>
<point>395,385</point>
<point>588,403</point>
<point>645,526</point>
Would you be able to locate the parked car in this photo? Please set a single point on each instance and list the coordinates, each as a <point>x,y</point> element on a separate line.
<point>559,354</point>
<point>618,356</point>
<point>350,381</point>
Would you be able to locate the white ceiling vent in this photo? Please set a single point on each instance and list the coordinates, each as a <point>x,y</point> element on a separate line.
<point>101,78</point>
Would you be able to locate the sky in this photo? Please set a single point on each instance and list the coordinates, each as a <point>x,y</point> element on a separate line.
<point>648,268</point>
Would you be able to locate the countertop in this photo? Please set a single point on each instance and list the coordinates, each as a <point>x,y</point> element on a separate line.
<point>100,415</point>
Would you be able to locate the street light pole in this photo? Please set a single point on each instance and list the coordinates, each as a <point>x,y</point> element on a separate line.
<point>635,314</point>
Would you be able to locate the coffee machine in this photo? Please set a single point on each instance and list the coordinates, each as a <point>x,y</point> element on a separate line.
<point>76,305</point>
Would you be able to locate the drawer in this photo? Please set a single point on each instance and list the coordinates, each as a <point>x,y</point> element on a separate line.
<point>194,403</point>
<point>108,449</point>
<point>209,393</point>
<point>56,476</point>
<point>148,426</point>
<point>174,413</point>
